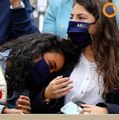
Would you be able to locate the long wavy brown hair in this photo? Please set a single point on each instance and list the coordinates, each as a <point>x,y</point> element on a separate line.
<point>105,44</point>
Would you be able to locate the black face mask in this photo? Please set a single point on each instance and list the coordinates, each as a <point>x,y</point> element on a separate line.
<point>40,72</point>
<point>78,33</point>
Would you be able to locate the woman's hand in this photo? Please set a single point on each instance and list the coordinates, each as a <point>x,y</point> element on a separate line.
<point>23,104</point>
<point>11,111</point>
<point>58,88</point>
<point>92,109</point>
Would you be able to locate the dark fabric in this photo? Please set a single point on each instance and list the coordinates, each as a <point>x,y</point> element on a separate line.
<point>112,103</point>
<point>16,22</point>
<point>37,93</point>
<point>112,108</point>
<point>78,33</point>
<point>40,72</point>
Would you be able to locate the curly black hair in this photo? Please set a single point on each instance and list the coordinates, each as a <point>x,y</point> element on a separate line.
<point>29,47</point>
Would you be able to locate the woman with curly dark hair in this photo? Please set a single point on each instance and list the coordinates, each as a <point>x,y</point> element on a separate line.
<point>32,61</point>
<point>96,75</point>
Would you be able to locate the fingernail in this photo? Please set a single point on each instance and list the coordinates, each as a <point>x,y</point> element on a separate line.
<point>59,77</point>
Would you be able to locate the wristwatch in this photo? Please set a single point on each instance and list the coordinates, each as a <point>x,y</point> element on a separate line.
<point>21,5</point>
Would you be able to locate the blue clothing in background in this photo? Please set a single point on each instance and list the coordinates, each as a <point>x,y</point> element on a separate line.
<point>57,17</point>
<point>15,22</point>
<point>116,2</point>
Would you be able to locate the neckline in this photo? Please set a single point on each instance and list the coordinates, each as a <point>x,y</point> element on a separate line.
<point>86,61</point>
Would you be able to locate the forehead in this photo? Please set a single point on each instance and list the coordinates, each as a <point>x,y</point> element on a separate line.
<point>56,57</point>
<point>52,55</point>
<point>77,8</point>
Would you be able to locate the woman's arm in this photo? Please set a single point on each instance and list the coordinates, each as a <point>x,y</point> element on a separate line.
<point>51,98</point>
<point>22,21</point>
<point>11,111</point>
<point>100,108</point>
<point>111,108</point>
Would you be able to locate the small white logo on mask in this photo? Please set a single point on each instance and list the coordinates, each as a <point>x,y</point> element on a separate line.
<point>80,25</point>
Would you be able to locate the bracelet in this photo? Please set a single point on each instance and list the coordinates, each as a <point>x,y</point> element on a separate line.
<point>47,101</point>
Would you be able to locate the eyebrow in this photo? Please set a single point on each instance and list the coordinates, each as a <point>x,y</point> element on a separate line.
<point>78,14</point>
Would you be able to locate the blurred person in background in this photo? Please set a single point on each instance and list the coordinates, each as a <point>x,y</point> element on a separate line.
<point>116,2</point>
<point>57,17</point>
<point>16,19</point>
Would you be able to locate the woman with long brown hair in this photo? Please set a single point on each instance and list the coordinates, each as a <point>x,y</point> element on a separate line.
<point>96,75</point>
<point>99,45</point>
